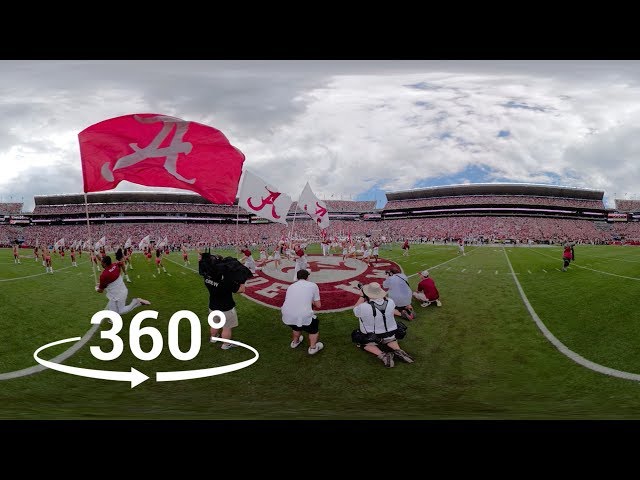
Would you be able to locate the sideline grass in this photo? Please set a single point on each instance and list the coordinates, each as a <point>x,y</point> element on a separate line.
<point>480,356</point>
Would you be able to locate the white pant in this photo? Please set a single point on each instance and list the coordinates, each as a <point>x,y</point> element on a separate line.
<point>120,306</point>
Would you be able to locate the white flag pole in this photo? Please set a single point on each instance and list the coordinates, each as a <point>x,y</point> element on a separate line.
<point>93,265</point>
<point>293,224</point>
<point>237,223</point>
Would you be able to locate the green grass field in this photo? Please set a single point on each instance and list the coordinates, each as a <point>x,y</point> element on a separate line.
<point>480,356</point>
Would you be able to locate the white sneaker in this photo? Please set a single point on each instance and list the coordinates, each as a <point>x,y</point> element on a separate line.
<point>438,303</point>
<point>425,304</point>
<point>295,344</point>
<point>227,346</point>
<point>319,346</point>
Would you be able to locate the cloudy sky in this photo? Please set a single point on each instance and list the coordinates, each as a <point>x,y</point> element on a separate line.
<point>352,129</point>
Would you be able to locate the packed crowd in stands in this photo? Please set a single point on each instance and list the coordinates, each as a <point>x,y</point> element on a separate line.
<point>347,206</point>
<point>628,205</point>
<point>147,207</point>
<point>10,208</point>
<point>341,206</point>
<point>134,208</point>
<point>440,229</point>
<point>446,229</point>
<point>517,200</point>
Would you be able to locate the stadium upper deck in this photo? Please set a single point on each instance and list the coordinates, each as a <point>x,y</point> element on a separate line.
<point>497,199</point>
<point>517,211</point>
<point>629,206</point>
<point>154,206</point>
<point>452,200</point>
<point>10,208</point>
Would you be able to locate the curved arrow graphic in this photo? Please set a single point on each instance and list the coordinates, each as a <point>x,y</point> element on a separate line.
<point>209,372</point>
<point>134,376</point>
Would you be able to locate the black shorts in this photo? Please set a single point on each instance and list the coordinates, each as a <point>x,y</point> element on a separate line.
<point>311,328</point>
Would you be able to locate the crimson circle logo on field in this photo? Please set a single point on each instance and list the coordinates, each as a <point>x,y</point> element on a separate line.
<point>337,280</point>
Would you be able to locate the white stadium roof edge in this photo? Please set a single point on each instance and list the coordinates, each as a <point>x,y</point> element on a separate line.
<point>529,189</point>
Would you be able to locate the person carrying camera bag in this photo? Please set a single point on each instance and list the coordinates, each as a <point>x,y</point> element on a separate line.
<point>377,325</point>
<point>223,277</point>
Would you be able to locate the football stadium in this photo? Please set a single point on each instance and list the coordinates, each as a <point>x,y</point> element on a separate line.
<point>517,332</point>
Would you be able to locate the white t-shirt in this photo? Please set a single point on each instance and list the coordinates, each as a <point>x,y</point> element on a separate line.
<point>297,309</point>
<point>375,324</point>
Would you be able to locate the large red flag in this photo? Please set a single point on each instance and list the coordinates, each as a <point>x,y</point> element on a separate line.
<point>160,151</point>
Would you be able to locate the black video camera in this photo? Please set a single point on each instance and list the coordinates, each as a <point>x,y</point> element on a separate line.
<point>215,267</point>
<point>364,295</point>
<point>209,266</point>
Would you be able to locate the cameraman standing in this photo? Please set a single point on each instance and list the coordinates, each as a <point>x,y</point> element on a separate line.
<point>221,289</point>
<point>400,292</point>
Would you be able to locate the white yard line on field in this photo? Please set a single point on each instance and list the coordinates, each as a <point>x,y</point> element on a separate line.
<point>59,359</point>
<point>592,269</point>
<point>591,257</point>
<point>563,348</point>
<point>183,266</point>
<point>37,274</point>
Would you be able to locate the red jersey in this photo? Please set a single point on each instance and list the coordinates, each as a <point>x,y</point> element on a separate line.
<point>428,286</point>
<point>109,275</point>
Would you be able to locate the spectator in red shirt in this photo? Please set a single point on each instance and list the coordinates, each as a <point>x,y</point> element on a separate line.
<point>405,247</point>
<point>566,257</point>
<point>427,292</point>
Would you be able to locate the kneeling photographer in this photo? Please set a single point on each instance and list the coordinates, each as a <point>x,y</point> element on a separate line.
<point>378,329</point>
<point>400,292</point>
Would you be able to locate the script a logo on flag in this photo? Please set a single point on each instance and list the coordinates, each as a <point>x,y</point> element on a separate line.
<point>258,197</point>
<point>144,243</point>
<point>100,243</point>
<point>315,207</point>
<point>160,151</point>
